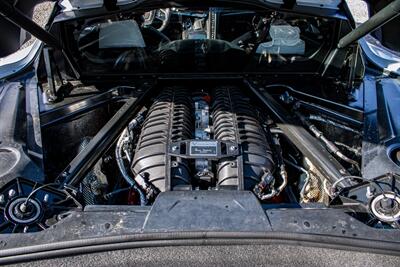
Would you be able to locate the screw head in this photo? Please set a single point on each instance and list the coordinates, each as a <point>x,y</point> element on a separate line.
<point>11,193</point>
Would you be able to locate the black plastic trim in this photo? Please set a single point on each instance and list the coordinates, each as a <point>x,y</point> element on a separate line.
<point>76,247</point>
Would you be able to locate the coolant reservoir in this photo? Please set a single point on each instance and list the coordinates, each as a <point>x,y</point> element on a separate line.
<point>285,40</point>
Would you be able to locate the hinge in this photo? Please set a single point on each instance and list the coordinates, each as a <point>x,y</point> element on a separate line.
<point>54,91</point>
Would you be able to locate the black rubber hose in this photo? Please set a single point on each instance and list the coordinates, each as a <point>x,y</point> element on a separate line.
<point>329,145</point>
<point>124,173</point>
<point>120,161</point>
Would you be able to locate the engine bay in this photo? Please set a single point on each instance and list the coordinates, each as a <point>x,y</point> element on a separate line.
<point>211,137</point>
<point>203,99</point>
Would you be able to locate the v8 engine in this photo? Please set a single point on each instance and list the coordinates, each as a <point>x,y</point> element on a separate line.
<point>202,140</point>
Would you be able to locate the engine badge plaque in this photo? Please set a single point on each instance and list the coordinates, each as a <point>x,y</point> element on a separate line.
<point>203,148</point>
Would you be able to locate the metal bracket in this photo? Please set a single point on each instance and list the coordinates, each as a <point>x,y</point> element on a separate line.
<point>53,93</point>
<point>200,149</point>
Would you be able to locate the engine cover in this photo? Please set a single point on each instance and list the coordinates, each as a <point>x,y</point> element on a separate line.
<point>235,120</point>
<point>169,119</point>
<point>181,145</point>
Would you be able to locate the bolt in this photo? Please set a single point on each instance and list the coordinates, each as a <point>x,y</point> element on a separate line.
<point>174,148</point>
<point>46,198</point>
<point>11,193</point>
<point>107,159</point>
<point>232,148</point>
